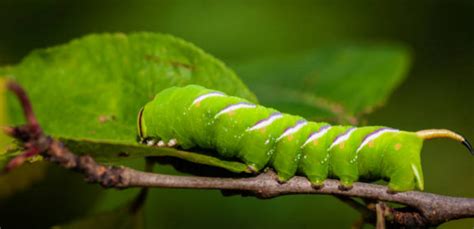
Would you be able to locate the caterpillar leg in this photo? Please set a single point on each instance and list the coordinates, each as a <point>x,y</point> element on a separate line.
<point>149,142</point>
<point>316,181</point>
<point>255,153</point>
<point>160,143</point>
<point>172,143</point>
<point>288,151</point>
<point>314,162</point>
<point>346,182</point>
<point>284,176</point>
<point>402,180</point>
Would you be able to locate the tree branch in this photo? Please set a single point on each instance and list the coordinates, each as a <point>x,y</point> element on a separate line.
<point>424,209</point>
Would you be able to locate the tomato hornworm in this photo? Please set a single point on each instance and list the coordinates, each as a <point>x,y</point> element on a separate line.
<point>194,116</point>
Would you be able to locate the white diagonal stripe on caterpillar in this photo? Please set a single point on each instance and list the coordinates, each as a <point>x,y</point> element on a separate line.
<point>374,135</point>
<point>266,121</point>
<point>234,107</point>
<point>300,124</point>
<point>206,96</point>
<point>342,138</point>
<point>318,134</point>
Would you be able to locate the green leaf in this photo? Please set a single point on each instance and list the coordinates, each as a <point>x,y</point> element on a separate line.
<point>21,179</point>
<point>91,89</point>
<point>114,153</point>
<point>5,141</point>
<point>336,82</point>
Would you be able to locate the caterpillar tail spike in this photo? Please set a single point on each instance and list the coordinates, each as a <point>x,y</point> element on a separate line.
<point>443,133</point>
<point>468,146</point>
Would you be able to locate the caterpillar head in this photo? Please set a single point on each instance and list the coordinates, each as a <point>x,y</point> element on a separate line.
<point>155,113</point>
<point>163,119</point>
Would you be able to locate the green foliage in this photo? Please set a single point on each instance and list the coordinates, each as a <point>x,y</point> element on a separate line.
<point>88,92</point>
<point>91,89</point>
<point>435,95</point>
<point>21,179</point>
<point>338,82</point>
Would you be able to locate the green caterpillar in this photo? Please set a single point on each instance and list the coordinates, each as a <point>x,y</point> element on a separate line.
<point>194,116</point>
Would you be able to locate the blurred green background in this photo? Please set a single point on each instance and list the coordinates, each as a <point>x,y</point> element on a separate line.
<point>437,93</point>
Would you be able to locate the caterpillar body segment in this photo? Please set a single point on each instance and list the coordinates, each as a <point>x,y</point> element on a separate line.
<point>261,137</point>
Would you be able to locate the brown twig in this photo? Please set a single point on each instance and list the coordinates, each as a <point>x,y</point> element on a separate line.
<point>424,209</point>
<point>380,213</point>
<point>26,105</point>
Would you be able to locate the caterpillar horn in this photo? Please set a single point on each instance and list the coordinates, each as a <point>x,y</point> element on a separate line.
<point>443,133</point>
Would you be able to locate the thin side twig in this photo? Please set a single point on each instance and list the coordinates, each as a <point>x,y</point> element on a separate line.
<point>423,209</point>
<point>366,212</point>
<point>380,212</point>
